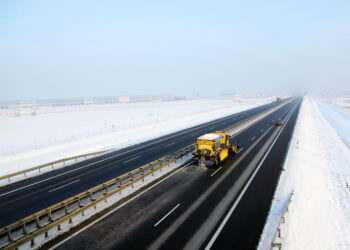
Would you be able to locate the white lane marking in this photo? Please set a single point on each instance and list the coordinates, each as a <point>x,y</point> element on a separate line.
<point>262,130</point>
<point>239,150</point>
<point>228,215</point>
<point>115,209</point>
<point>215,172</point>
<point>172,210</point>
<point>253,138</point>
<point>70,183</point>
<point>134,158</point>
<point>168,145</point>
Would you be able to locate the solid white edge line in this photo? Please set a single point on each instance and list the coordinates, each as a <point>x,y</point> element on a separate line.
<point>64,185</point>
<point>115,209</point>
<point>172,210</point>
<point>215,172</point>
<point>228,215</point>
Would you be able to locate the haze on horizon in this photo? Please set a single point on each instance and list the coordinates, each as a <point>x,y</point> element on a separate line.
<point>52,49</point>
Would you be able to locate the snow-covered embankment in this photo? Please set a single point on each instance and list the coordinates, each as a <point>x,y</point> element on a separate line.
<point>317,168</point>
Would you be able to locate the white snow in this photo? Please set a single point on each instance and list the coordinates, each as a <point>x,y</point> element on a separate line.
<point>210,137</point>
<point>60,132</point>
<point>342,102</point>
<point>339,119</point>
<point>317,168</point>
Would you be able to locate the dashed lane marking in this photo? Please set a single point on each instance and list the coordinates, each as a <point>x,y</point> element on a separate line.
<point>70,183</point>
<point>215,172</point>
<point>172,210</point>
<point>132,159</point>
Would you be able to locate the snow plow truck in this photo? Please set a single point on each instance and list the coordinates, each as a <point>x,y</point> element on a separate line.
<point>213,148</point>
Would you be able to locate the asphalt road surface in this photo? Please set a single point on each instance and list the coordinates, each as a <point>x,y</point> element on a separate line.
<point>199,207</point>
<point>29,196</point>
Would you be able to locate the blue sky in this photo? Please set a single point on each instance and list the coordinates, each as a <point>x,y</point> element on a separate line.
<point>101,48</point>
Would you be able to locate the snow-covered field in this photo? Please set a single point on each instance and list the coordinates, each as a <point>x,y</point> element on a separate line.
<point>59,132</point>
<point>342,102</point>
<point>317,168</point>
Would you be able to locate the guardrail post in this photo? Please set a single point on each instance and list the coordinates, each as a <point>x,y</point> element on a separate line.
<point>279,245</point>
<point>66,208</point>
<point>37,221</point>
<point>50,216</point>
<point>24,228</point>
<point>90,194</point>
<point>9,235</point>
<point>32,243</point>
<point>79,203</point>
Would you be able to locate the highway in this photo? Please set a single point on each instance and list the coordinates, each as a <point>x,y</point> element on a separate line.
<point>200,207</point>
<point>29,196</point>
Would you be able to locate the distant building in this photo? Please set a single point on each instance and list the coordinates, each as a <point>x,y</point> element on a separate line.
<point>56,102</point>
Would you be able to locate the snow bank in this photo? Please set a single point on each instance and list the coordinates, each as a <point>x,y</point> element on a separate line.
<point>61,132</point>
<point>317,168</point>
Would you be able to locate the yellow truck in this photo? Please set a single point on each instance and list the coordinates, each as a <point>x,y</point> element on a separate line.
<point>213,148</point>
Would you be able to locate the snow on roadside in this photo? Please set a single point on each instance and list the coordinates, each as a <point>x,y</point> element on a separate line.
<point>317,168</point>
<point>140,122</point>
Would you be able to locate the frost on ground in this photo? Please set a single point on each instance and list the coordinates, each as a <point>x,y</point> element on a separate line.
<point>60,132</point>
<point>317,168</point>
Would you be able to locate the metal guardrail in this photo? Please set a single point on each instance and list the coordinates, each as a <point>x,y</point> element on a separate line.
<point>30,227</point>
<point>40,168</point>
<point>280,221</point>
